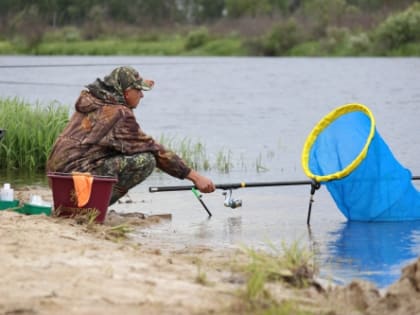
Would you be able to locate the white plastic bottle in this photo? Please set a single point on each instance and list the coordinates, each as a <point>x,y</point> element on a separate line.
<point>6,193</point>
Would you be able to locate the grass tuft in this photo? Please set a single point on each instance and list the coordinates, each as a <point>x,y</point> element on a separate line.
<point>292,265</point>
<point>30,133</point>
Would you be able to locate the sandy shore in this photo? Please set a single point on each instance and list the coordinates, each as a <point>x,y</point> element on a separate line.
<point>54,266</point>
<point>57,266</point>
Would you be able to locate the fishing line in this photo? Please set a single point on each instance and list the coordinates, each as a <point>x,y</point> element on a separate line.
<point>24,66</point>
<point>104,64</point>
<point>39,83</point>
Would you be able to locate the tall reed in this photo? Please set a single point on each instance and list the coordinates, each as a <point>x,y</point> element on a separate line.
<point>31,130</point>
<point>30,133</point>
<point>194,154</point>
<point>223,161</point>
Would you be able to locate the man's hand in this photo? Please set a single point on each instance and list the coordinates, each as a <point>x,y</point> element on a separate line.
<point>203,184</point>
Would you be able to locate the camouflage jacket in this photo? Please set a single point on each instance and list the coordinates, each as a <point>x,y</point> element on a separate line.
<point>99,130</point>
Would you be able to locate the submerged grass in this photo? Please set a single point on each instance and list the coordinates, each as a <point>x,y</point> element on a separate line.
<point>30,133</point>
<point>194,154</point>
<point>223,161</point>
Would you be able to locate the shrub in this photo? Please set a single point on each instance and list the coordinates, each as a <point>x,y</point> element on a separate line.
<point>65,34</point>
<point>324,13</point>
<point>359,43</point>
<point>197,38</point>
<point>398,29</point>
<point>281,38</point>
<point>335,39</point>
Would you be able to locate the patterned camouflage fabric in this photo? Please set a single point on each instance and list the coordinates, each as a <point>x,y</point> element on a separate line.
<point>112,87</point>
<point>104,138</point>
<point>130,170</point>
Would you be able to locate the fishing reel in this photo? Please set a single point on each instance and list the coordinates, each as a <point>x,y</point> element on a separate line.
<point>230,201</point>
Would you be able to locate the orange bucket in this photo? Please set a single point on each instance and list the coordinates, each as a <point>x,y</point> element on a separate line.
<point>65,200</point>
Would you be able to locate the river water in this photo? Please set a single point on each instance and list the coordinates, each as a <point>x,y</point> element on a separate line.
<point>258,111</point>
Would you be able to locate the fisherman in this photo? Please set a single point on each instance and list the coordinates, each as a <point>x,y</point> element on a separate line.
<point>104,138</point>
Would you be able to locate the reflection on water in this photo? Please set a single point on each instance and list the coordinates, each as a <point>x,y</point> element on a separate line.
<point>344,250</point>
<point>202,231</point>
<point>23,178</point>
<point>233,229</point>
<point>374,251</point>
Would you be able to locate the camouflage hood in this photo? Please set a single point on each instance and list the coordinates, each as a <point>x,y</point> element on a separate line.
<point>111,88</point>
<point>87,103</point>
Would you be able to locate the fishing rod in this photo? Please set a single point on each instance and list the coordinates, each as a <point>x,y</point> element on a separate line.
<point>235,203</point>
<point>230,186</point>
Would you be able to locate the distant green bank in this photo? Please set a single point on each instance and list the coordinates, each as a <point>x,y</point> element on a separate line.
<point>398,35</point>
<point>341,43</point>
<point>165,46</point>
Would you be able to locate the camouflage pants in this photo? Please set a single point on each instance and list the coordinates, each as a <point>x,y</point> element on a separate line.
<point>130,170</point>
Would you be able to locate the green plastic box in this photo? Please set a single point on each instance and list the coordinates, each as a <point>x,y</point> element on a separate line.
<point>8,204</point>
<point>33,209</point>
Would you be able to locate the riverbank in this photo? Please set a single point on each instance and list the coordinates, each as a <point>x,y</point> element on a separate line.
<point>320,33</point>
<point>357,45</point>
<point>52,265</point>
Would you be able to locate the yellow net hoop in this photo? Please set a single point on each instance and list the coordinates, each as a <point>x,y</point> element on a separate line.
<point>324,123</point>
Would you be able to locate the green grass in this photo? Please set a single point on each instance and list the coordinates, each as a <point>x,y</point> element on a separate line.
<point>291,264</point>
<point>6,48</point>
<point>194,154</point>
<point>33,128</point>
<point>201,277</point>
<point>306,49</point>
<point>224,161</point>
<point>167,47</point>
<point>259,167</point>
<point>175,46</point>
<point>170,46</point>
<point>397,35</point>
<point>30,133</point>
<point>221,47</point>
<point>410,49</point>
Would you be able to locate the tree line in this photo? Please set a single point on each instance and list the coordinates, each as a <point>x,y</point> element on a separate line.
<point>57,13</point>
<point>248,27</point>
